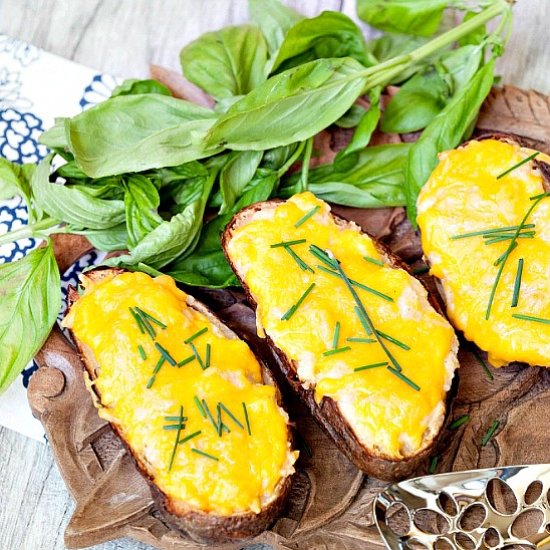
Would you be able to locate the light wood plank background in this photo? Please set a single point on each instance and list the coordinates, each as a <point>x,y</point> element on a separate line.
<point>123,37</point>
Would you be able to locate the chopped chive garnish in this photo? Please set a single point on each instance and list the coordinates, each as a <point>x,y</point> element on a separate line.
<point>166,354</point>
<point>321,255</point>
<point>364,317</point>
<point>335,351</point>
<point>306,217</point>
<point>247,420</point>
<point>459,422</point>
<point>303,266</point>
<point>196,335</point>
<point>288,243</point>
<point>373,260</point>
<point>197,356</point>
<point>142,352</point>
<point>189,437</point>
<point>372,366</point>
<point>502,260</point>
<point>294,308</point>
<point>433,465</point>
<point>207,359</point>
<point>517,283</point>
<point>219,420</point>
<point>540,196</point>
<point>490,433</point>
<point>151,318</point>
<point>420,270</point>
<point>392,340</point>
<point>405,379</point>
<point>199,406</point>
<point>175,418</point>
<point>155,372</point>
<point>491,231</point>
<point>483,365</point>
<point>138,320</point>
<point>232,416</point>
<point>209,414</point>
<point>503,256</point>
<point>358,284</point>
<point>361,340</point>
<point>500,239</point>
<point>508,234</point>
<point>202,453</point>
<point>531,318</point>
<point>520,163</point>
<point>171,427</point>
<point>184,362</point>
<point>336,335</point>
<point>174,450</point>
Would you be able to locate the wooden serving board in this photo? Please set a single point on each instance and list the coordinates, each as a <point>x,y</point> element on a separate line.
<point>331,501</point>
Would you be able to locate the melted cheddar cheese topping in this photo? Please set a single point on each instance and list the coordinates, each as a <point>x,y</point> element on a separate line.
<point>464,195</point>
<point>386,413</point>
<point>242,471</point>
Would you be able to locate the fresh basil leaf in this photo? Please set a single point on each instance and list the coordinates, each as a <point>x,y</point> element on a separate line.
<point>274,20</point>
<point>109,240</point>
<point>416,103</point>
<point>375,179</point>
<point>367,125</point>
<point>352,117</point>
<point>141,202</point>
<point>71,171</point>
<point>235,176</point>
<point>136,133</point>
<point>14,179</point>
<point>391,45</point>
<point>133,86</point>
<point>73,204</point>
<point>227,62</point>
<point>461,65</point>
<point>166,176</point>
<point>329,35</point>
<point>418,17</point>
<point>31,300</point>
<point>446,131</point>
<point>291,106</point>
<point>477,36</point>
<point>54,138</point>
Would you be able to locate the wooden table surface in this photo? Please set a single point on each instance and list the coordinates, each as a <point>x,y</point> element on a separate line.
<point>123,37</point>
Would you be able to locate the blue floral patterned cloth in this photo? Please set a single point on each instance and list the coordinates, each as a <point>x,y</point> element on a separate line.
<point>35,88</point>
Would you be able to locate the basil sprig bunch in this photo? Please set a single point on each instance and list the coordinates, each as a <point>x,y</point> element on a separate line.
<point>143,170</point>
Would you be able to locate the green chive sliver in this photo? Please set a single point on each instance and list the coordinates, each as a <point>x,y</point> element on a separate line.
<point>484,232</point>
<point>300,301</point>
<point>373,260</point>
<point>287,243</point>
<point>232,416</point>
<point>459,422</point>
<point>199,406</point>
<point>186,361</point>
<point>196,335</point>
<point>517,283</point>
<point>490,433</point>
<point>392,340</point>
<point>336,350</point>
<point>306,216</point>
<point>433,465</point>
<point>156,370</point>
<point>361,340</point>
<point>166,354</point>
<point>520,163</point>
<point>483,365</point>
<point>404,378</point>
<point>336,335</point>
<point>531,318</point>
<point>176,442</point>
<point>247,420</point>
<point>151,318</point>
<point>189,437</point>
<point>142,352</point>
<point>372,366</point>
<point>303,266</point>
<point>202,453</point>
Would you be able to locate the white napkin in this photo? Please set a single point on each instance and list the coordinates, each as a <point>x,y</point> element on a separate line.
<point>35,88</point>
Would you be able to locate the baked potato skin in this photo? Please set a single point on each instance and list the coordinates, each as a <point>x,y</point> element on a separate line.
<point>326,412</point>
<point>202,527</point>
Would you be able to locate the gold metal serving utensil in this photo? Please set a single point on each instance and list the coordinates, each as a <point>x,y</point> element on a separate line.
<point>505,507</point>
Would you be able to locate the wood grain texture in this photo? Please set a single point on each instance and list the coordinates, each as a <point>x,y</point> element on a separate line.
<point>123,37</point>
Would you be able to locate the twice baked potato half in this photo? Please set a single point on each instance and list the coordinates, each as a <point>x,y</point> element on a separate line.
<point>484,216</point>
<point>356,334</point>
<point>200,414</point>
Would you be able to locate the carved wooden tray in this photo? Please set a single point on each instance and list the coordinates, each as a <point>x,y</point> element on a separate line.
<point>330,505</point>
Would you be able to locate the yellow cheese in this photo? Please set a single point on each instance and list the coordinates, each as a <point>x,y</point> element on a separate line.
<point>464,195</point>
<point>243,470</point>
<point>385,412</point>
